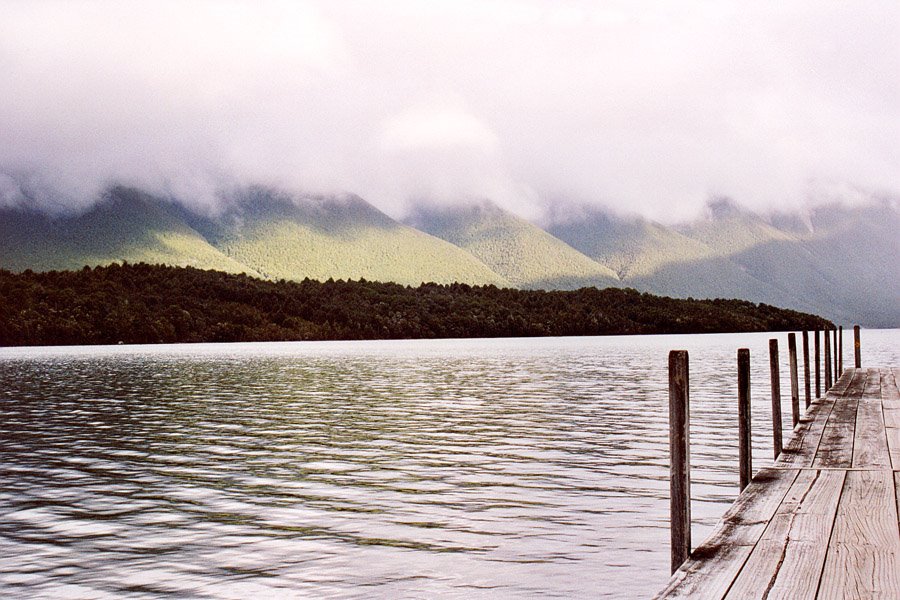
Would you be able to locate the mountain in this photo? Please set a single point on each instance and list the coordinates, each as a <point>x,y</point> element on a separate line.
<point>841,262</point>
<point>125,225</point>
<point>527,256</point>
<point>283,237</point>
<point>652,257</point>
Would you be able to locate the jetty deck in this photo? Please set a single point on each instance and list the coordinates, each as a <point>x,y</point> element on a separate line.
<point>822,522</point>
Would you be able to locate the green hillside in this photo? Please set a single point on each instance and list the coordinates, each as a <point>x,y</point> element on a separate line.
<point>845,264</point>
<point>518,250</point>
<point>341,238</point>
<point>655,258</point>
<point>126,225</point>
<point>838,261</point>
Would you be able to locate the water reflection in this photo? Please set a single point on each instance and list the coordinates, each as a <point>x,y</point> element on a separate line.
<point>485,468</point>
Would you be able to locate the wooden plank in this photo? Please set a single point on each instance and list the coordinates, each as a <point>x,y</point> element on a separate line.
<point>712,567</point>
<point>800,449</point>
<point>870,445</point>
<point>890,405</point>
<point>840,386</point>
<point>787,562</point>
<point>836,447</point>
<point>863,558</point>
<point>873,384</point>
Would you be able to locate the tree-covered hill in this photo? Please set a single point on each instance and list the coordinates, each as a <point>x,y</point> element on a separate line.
<point>126,224</point>
<point>153,304</point>
<point>285,237</point>
<point>526,255</point>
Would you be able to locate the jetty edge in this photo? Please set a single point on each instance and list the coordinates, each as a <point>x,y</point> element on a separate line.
<point>822,521</point>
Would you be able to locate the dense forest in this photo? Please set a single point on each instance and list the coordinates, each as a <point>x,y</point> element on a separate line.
<point>157,304</point>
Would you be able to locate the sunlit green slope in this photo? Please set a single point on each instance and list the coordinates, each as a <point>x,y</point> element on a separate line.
<point>518,250</point>
<point>127,225</point>
<point>339,238</point>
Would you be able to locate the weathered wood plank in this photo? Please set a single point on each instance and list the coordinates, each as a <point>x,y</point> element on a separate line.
<point>870,444</point>
<point>712,567</point>
<point>863,558</point>
<point>873,384</point>
<point>787,562</point>
<point>800,449</point>
<point>890,405</point>
<point>841,385</point>
<point>836,447</point>
<point>830,529</point>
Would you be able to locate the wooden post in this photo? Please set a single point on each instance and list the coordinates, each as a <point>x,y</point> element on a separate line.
<point>679,450</point>
<point>840,350</point>
<point>827,337</point>
<point>857,356</point>
<point>745,449</point>
<point>834,349</point>
<point>818,354</point>
<point>806,368</point>
<point>776,396</point>
<point>795,384</point>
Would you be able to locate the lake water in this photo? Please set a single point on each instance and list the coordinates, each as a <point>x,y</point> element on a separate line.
<point>505,468</point>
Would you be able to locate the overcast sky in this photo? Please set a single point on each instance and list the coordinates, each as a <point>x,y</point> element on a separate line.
<point>625,104</point>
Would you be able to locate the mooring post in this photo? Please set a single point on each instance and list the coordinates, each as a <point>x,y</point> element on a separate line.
<point>795,384</point>
<point>840,351</point>
<point>827,361</point>
<point>680,469</point>
<point>834,349</point>
<point>745,449</point>
<point>818,353</point>
<point>857,356</point>
<point>806,368</point>
<point>776,396</point>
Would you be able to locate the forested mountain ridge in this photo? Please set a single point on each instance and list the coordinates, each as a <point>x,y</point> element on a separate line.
<point>839,261</point>
<point>126,224</point>
<point>156,304</point>
<point>527,256</point>
<point>285,237</point>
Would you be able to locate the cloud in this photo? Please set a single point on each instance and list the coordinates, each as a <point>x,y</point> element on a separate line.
<point>637,105</point>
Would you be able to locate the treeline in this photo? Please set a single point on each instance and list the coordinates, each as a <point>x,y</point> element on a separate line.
<point>157,304</point>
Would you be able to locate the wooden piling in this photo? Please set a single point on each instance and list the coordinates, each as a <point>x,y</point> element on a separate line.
<point>840,351</point>
<point>834,359</point>
<point>795,384</point>
<point>745,448</point>
<point>806,389</point>
<point>818,355</point>
<point>857,356</point>
<point>776,397</point>
<point>827,337</point>
<point>680,469</point>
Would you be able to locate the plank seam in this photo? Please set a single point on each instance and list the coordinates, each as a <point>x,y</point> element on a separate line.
<point>787,539</point>
<point>887,439</point>
<point>812,459</point>
<point>762,533</point>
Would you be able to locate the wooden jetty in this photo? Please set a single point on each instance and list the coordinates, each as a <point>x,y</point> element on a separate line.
<point>822,521</point>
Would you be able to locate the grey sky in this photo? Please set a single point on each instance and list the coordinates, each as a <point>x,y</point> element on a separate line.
<point>646,107</point>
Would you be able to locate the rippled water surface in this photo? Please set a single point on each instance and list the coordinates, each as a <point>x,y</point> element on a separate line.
<point>452,468</point>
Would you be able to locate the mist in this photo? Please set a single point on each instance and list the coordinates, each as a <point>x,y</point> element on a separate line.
<point>535,105</point>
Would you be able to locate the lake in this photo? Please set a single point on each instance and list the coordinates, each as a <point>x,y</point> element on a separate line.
<point>501,468</point>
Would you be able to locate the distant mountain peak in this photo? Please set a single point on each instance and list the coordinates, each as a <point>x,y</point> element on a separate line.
<point>720,208</point>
